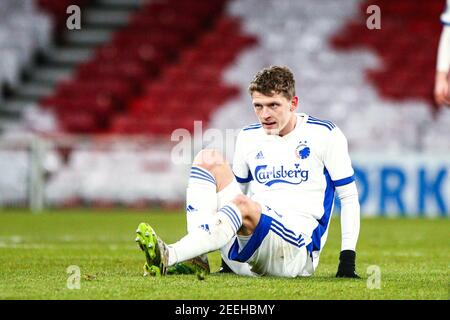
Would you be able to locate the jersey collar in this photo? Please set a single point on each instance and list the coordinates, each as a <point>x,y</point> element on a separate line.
<point>301,120</point>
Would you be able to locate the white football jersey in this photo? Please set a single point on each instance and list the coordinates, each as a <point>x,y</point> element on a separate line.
<point>296,174</point>
<point>445,16</point>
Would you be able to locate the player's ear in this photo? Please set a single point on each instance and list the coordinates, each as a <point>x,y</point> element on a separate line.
<point>294,103</point>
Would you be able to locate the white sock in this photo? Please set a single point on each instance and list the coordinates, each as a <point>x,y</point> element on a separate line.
<point>201,198</point>
<point>227,194</point>
<point>214,235</point>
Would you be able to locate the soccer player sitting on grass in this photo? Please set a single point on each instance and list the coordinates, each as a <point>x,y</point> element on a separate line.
<point>268,214</point>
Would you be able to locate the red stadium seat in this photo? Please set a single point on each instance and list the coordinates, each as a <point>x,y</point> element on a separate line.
<point>162,71</point>
<point>408,62</point>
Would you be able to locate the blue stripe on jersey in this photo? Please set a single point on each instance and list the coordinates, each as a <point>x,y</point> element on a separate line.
<point>344,181</point>
<point>195,176</point>
<point>260,232</point>
<point>199,178</point>
<point>199,175</point>
<point>276,227</point>
<point>232,219</point>
<point>245,180</point>
<point>320,124</point>
<point>324,121</point>
<point>233,214</point>
<point>297,241</point>
<point>322,227</point>
<point>202,172</point>
<point>252,126</point>
<point>235,227</point>
<point>284,229</point>
<point>297,244</point>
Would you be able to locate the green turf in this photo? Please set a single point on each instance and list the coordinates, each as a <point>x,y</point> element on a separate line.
<point>36,250</point>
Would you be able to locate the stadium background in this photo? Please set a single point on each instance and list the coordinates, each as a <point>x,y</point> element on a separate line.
<point>87,115</point>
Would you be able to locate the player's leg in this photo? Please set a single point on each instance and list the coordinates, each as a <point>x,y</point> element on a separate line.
<point>205,179</point>
<point>214,226</point>
<point>223,227</point>
<point>227,195</point>
<point>210,174</point>
<point>251,213</point>
<point>211,185</point>
<point>217,230</point>
<point>201,204</point>
<point>227,188</point>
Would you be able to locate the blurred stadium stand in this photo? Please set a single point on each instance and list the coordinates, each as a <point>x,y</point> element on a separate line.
<point>408,61</point>
<point>25,30</point>
<point>168,51</point>
<point>335,68</point>
<point>146,68</point>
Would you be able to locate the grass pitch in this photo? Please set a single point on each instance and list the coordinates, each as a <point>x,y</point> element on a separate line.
<point>36,250</point>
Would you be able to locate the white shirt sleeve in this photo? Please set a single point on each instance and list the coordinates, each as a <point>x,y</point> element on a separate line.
<point>337,160</point>
<point>445,16</point>
<point>443,57</point>
<point>350,215</point>
<point>240,167</point>
<point>338,164</point>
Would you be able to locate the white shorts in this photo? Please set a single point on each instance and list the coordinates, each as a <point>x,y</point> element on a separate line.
<point>276,248</point>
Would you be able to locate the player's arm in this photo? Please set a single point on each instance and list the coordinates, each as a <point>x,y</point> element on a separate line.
<point>338,163</point>
<point>442,81</point>
<point>350,224</point>
<point>442,85</point>
<point>240,167</point>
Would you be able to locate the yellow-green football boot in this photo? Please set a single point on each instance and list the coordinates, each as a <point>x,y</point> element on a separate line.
<point>155,250</point>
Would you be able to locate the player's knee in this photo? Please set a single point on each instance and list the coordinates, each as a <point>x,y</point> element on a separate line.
<point>250,210</point>
<point>241,201</point>
<point>209,159</point>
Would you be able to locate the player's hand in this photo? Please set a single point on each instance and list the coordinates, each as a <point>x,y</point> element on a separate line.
<point>442,89</point>
<point>346,267</point>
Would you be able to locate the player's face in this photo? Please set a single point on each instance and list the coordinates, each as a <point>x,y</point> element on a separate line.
<point>276,113</point>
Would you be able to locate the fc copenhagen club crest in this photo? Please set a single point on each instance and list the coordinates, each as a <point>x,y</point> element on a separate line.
<point>302,151</point>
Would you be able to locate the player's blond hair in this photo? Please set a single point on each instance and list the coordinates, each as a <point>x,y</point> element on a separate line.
<point>274,80</point>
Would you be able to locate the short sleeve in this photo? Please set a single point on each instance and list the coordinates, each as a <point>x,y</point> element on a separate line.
<point>337,160</point>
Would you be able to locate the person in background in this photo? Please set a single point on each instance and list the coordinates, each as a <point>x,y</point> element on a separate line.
<point>442,83</point>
